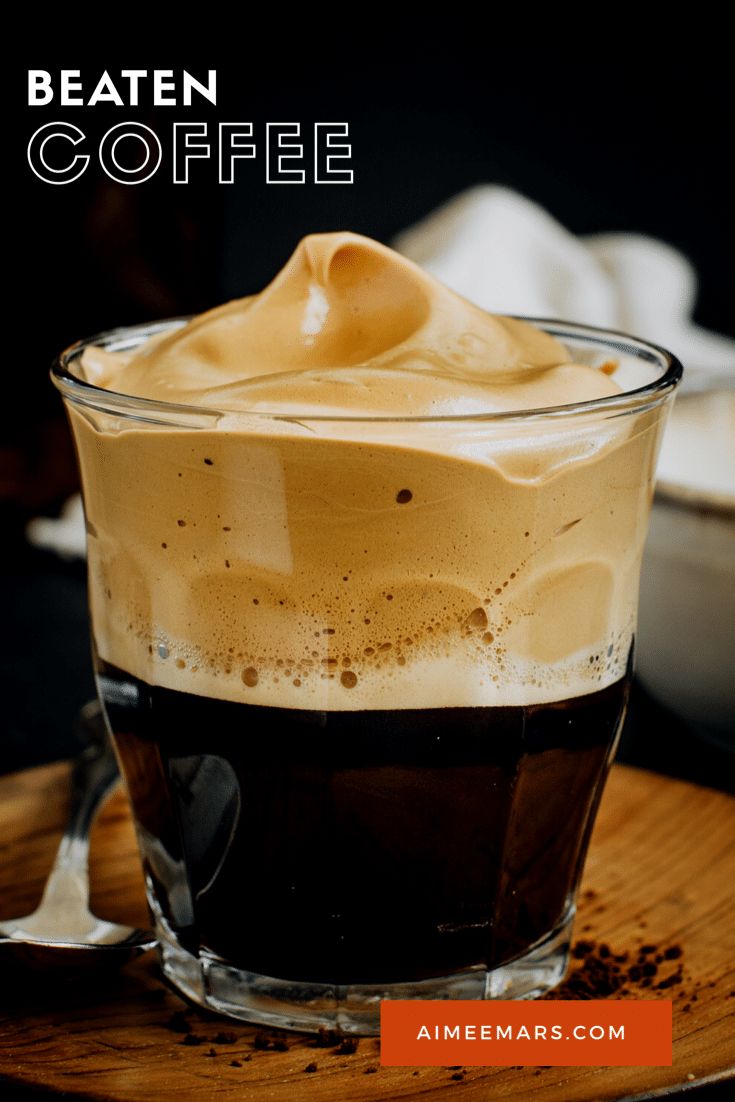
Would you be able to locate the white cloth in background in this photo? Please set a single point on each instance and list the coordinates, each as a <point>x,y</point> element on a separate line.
<point>510,256</point>
<point>65,534</point>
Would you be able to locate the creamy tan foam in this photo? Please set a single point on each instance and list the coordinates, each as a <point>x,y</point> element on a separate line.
<point>292,561</point>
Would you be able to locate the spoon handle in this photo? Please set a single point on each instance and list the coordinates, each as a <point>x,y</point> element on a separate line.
<point>95,774</point>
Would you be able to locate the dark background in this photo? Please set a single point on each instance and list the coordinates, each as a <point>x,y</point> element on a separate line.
<point>629,138</point>
<point>626,136</point>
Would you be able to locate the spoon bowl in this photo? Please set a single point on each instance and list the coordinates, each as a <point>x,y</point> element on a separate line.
<point>62,929</point>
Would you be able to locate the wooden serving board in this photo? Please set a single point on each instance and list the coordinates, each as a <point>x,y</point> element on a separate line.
<point>660,871</point>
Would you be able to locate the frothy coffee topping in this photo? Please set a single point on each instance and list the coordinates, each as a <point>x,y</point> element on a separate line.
<point>350,328</point>
<point>278,557</point>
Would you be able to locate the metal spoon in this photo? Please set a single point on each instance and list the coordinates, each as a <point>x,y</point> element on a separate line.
<point>62,929</point>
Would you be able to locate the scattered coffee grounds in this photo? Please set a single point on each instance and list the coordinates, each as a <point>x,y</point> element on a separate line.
<point>370,1070</point>
<point>193,1039</point>
<point>224,1039</point>
<point>212,1052</point>
<point>601,973</point>
<point>263,1041</point>
<point>348,1045</point>
<point>177,1023</point>
<point>311,1067</point>
<point>327,1038</point>
<point>669,981</point>
<point>458,1076</point>
<point>235,1064</point>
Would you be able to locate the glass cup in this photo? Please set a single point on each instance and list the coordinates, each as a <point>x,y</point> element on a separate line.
<point>365,678</point>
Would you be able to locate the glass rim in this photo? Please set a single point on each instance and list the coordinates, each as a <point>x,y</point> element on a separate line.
<point>81,392</point>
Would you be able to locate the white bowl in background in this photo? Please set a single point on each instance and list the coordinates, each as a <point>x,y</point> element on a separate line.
<point>686,633</point>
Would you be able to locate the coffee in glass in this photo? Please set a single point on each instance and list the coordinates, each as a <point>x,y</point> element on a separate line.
<point>363,567</point>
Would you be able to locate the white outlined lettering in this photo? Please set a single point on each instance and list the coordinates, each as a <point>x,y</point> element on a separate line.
<point>111,163</point>
<point>326,151</point>
<point>186,150</point>
<point>232,148</point>
<point>275,132</point>
<point>37,153</point>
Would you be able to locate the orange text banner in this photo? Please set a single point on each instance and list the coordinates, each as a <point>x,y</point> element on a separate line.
<point>609,1032</point>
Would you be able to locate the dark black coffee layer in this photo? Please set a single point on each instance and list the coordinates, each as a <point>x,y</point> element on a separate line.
<point>358,847</point>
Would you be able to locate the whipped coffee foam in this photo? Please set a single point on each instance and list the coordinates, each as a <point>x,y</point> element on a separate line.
<point>350,328</point>
<point>276,558</point>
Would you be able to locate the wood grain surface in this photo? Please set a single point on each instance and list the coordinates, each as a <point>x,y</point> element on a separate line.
<point>660,871</point>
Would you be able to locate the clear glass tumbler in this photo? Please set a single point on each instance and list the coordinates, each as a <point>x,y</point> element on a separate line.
<point>365,678</point>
